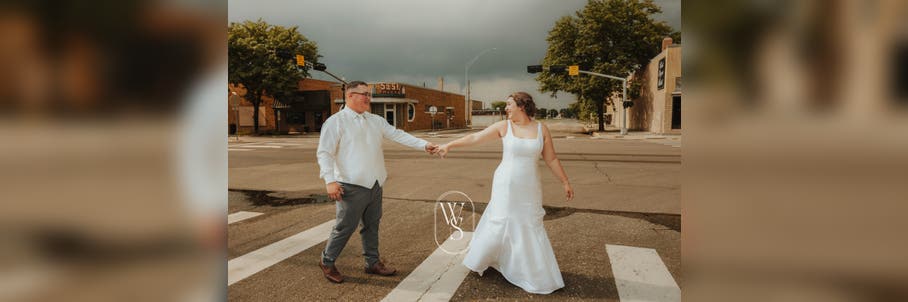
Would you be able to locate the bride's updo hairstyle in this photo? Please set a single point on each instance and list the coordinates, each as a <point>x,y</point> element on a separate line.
<point>525,101</point>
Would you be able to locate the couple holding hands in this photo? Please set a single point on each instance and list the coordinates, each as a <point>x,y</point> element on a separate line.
<point>510,236</point>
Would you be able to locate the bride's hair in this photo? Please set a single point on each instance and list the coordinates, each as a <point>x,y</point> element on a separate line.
<point>525,101</point>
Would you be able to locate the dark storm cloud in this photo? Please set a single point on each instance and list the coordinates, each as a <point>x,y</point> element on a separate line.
<point>416,41</point>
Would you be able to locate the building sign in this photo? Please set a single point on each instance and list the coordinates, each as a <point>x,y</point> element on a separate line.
<point>661,80</point>
<point>394,90</point>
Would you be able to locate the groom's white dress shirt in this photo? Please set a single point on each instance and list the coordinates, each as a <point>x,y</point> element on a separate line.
<point>350,147</point>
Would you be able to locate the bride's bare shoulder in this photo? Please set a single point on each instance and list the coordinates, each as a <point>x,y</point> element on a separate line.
<point>500,126</point>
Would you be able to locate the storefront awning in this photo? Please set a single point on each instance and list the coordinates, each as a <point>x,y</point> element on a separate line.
<point>387,101</point>
<point>278,105</point>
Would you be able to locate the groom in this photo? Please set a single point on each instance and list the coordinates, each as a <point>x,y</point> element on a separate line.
<point>353,167</point>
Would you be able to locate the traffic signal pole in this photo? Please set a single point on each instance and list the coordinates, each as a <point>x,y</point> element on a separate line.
<point>321,67</point>
<point>623,97</point>
<point>575,69</point>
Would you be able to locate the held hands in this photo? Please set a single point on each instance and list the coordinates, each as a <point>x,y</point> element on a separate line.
<point>431,148</point>
<point>434,149</point>
<point>334,191</point>
<point>442,150</point>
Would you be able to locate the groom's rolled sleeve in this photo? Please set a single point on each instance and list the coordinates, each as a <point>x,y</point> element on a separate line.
<point>402,137</point>
<point>327,150</point>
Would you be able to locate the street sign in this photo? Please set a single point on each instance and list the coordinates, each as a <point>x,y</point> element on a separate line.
<point>300,60</point>
<point>433,110</point>
<point>574,70</point>
<point>660,82</point>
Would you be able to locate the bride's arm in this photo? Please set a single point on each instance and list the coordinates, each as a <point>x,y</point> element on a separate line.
<point>488,134</point>
<point>551,160</point>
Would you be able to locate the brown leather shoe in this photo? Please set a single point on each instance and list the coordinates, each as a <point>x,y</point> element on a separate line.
<point>379,268</point>
<point>331,273</point>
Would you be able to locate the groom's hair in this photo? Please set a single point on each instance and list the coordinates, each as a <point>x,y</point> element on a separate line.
<point>525,101</point>
<point>355,84</point>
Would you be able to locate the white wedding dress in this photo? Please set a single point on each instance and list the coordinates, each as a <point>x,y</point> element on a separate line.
<point>510,236</point>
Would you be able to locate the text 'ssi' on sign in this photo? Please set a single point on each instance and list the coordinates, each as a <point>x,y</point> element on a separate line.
<point>388,90</point>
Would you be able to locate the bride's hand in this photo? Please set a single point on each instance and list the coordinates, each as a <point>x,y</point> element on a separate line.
<point>442,150</point>
<point>568,191</point>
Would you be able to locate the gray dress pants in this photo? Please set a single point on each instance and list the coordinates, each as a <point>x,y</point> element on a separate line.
<point>358,205</point>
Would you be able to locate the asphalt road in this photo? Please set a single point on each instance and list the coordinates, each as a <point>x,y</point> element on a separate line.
<point>627,194</point>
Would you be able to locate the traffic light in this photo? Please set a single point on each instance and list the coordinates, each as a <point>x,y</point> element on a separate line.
<point>284,54</point>
<point>556,68</point>
<point>300,60</point>
<point>573,70</point>
<point>534,68</point>
<point>320,66</point>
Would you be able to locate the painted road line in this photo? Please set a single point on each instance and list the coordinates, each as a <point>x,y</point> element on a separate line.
<point>260,146</point>
<point>247,265</point>
<point>240,216</point>
<point>437,277</point>
<point>285,144</point>
<point>640,275</point>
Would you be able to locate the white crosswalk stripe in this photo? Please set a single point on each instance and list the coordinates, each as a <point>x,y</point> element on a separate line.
<point>260,145</point>
<point>246,265</point>
<point>437,277</point>
<point>240,216</point>
<point>640,275</point>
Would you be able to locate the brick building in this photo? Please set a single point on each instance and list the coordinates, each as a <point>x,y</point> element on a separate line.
<point>405,106</point>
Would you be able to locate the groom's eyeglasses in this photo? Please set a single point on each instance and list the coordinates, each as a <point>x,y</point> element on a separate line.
<point>365,94</point>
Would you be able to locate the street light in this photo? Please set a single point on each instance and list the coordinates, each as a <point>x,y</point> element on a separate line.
<point>467,103</point>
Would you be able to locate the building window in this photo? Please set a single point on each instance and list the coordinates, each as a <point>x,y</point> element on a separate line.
<point>411,112</point>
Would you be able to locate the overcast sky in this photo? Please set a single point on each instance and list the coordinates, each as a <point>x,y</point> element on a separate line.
<point>418,41</point>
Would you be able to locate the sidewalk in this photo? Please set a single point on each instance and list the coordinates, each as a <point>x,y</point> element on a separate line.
<point>633,135</point>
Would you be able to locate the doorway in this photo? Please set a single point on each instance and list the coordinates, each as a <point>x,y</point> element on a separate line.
<point>676,112</point>
<point>390,116</point>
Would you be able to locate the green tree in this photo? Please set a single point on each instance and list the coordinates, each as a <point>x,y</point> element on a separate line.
<point>578,109</point>
<point>567,113</point>
<point>553,113</point>
<point>499,105</point>
<point>262,57</point>
<point>614,37</point>
<point>541,113</point>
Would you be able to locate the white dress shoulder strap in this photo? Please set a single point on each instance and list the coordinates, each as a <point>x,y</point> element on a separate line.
<point>539,130</point>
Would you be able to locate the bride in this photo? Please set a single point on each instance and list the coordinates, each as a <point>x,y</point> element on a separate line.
<point>510,236</point>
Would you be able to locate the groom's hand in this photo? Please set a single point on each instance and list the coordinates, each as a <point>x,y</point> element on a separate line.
<point>431,148</point>
<point>334,191</point>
